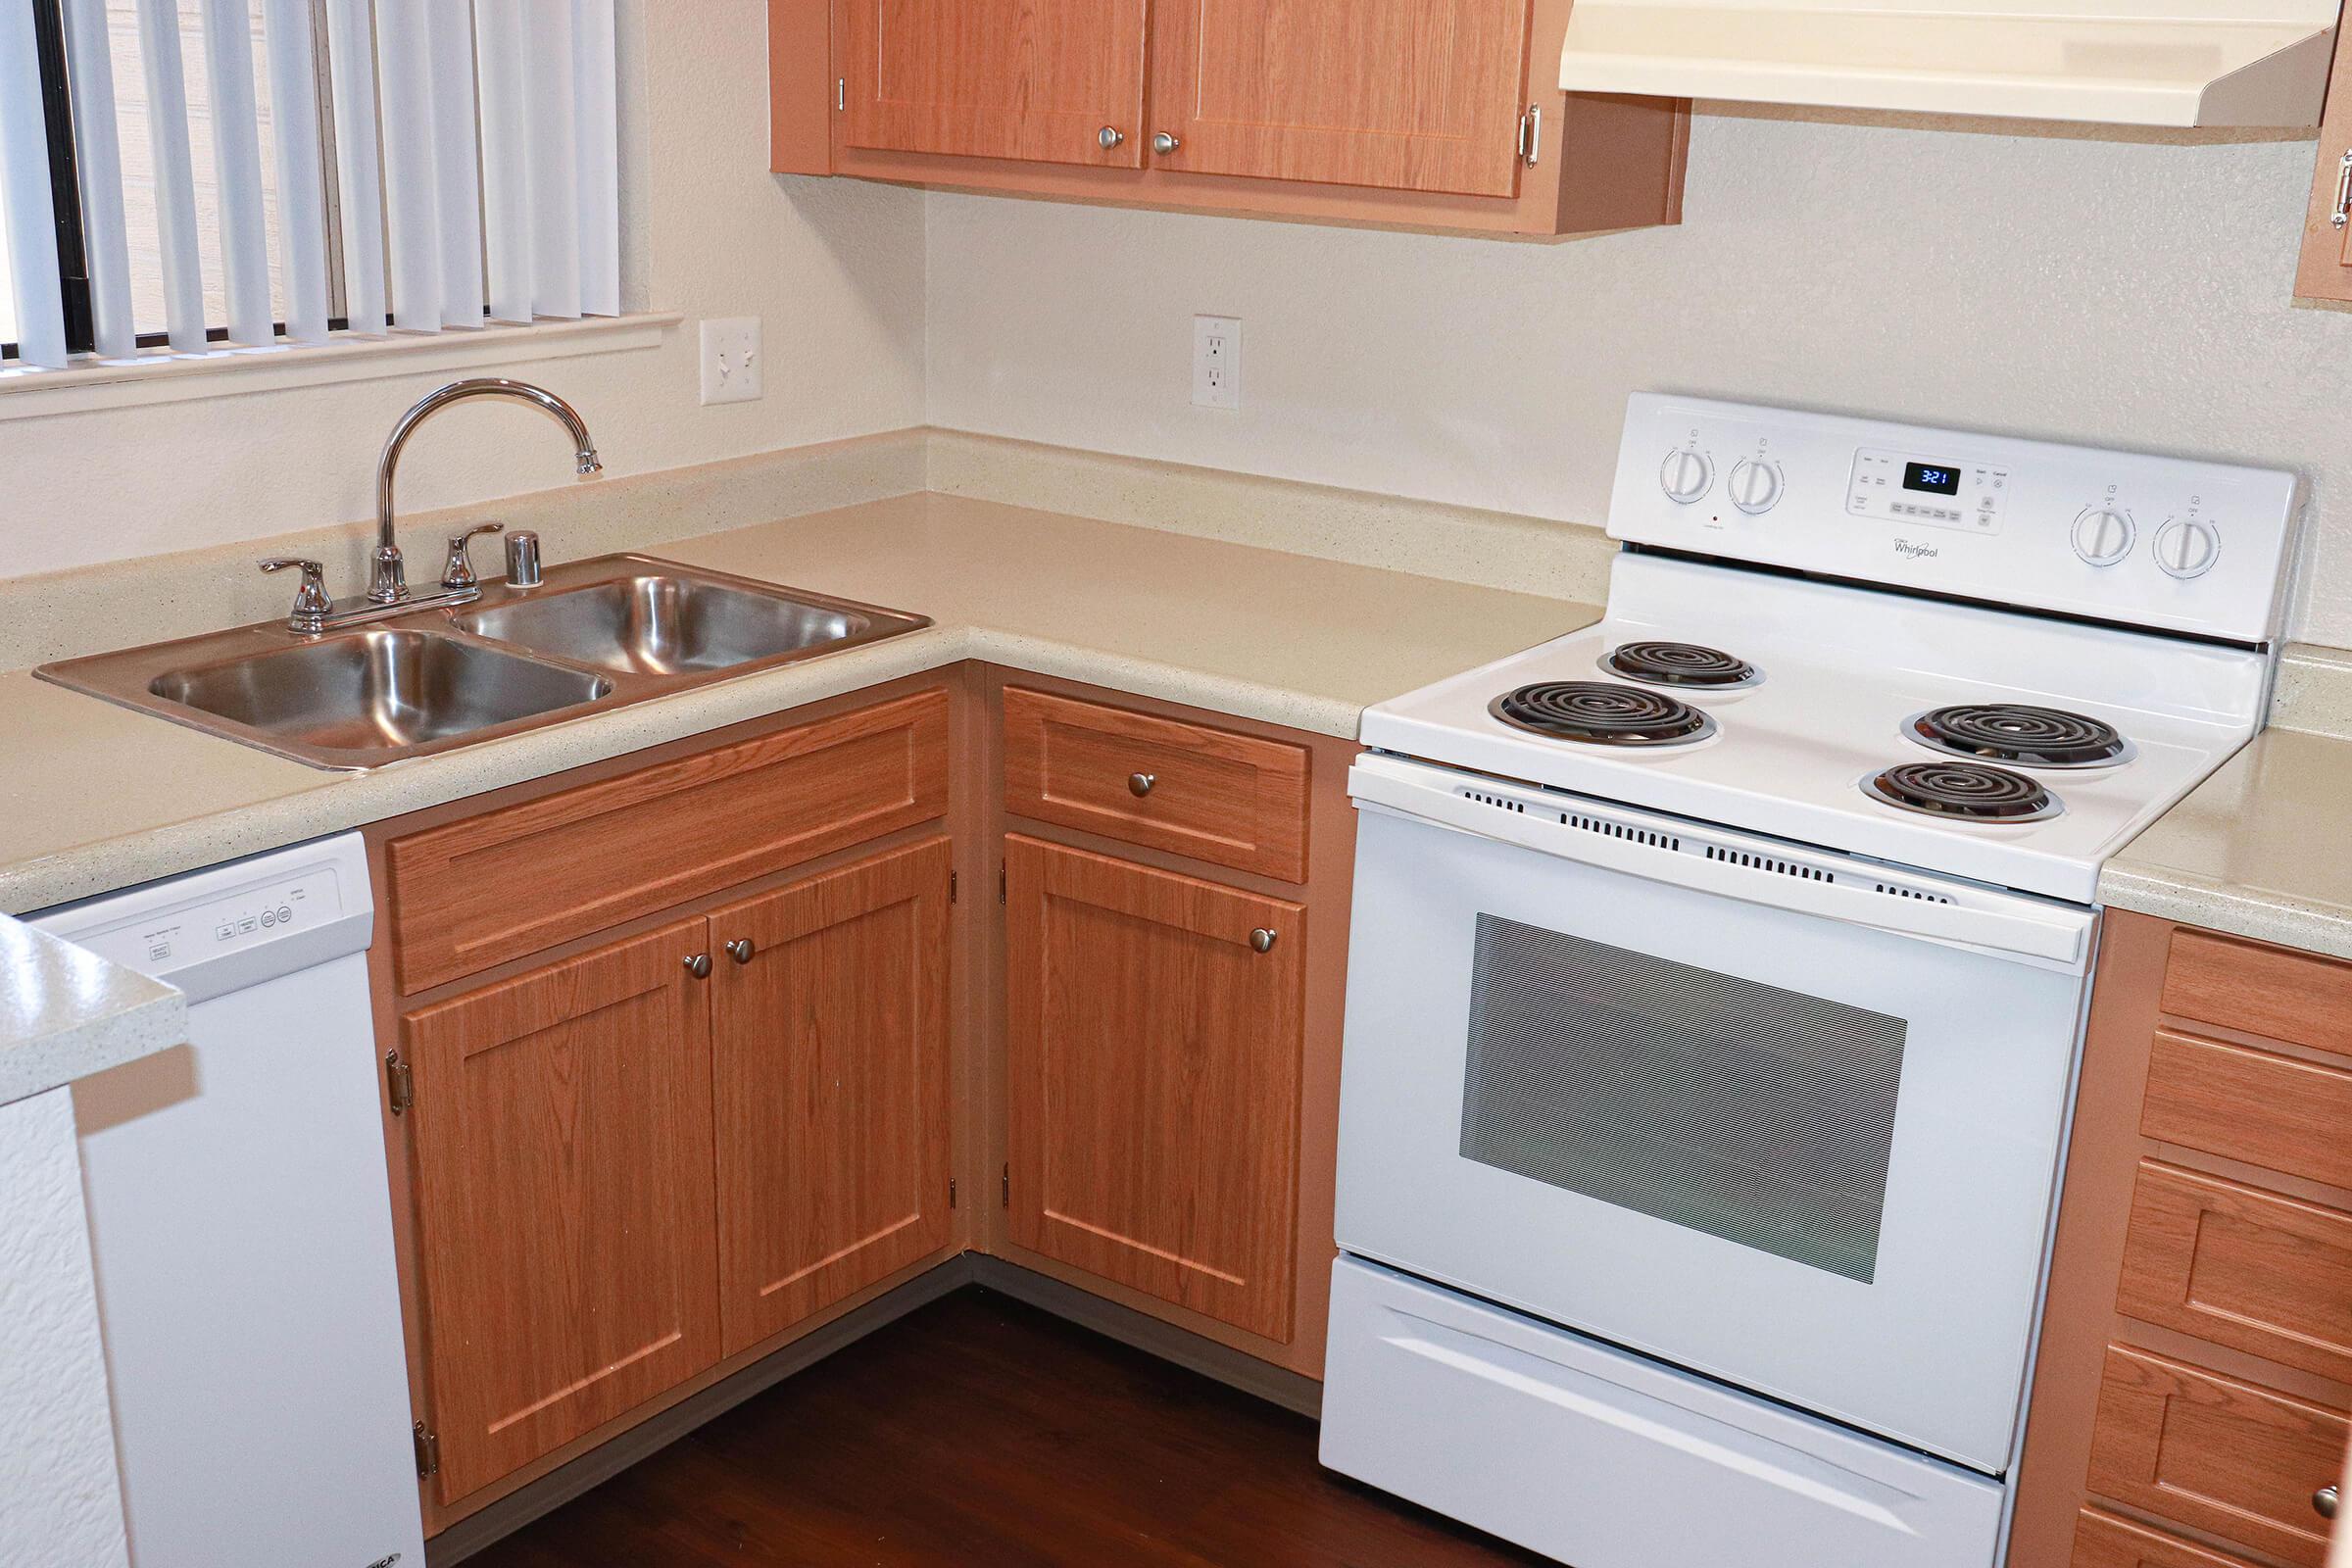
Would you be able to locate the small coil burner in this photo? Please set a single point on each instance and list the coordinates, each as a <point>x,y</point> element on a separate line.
<point>1967,792</point>
<point>1602,713</point>
<point>1679,664</point>
<point>2015,733</point>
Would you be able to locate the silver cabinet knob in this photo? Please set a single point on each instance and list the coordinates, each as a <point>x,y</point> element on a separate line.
<point>1164,144</point>
<point>2323,1502</point>
<point>699,966</point>
<point>1140,785</point>
<point>1110,136</point>
<point>1261,939</point>
<point>740,949</point>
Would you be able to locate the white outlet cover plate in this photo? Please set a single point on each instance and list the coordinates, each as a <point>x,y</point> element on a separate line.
<point>1216,361</point>
<point>731,358</point>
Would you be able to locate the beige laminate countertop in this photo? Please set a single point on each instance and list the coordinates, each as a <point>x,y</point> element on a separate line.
<point>2263,849</point>
<point>66,1012</point>
<point>95,797</point>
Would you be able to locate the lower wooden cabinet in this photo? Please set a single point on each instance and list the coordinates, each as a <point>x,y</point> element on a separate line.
<point>561,1135</point>
<point>1155,1028</point>
<point>830,1024</point>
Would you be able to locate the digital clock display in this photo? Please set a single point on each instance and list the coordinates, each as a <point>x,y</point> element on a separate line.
<point>1936,478</point>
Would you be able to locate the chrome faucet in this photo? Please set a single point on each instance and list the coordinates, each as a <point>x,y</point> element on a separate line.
<point>390,584</point>
<point>388,592</point>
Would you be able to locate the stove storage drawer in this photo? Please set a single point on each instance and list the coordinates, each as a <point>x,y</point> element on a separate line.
<point>2241,1462</point>
<point>2103,1540</point>
<point>1230,799</point>
<point>1607,1460</point>
<point>2235,1265</point>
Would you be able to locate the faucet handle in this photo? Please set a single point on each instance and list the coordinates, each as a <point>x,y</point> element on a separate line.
<point>458,572</point>
<point>312,602</point>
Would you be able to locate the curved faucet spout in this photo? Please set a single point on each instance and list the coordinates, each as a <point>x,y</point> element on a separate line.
<point>390,582</point>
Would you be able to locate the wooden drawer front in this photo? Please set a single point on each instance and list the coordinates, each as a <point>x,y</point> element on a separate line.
<point>2215,1455</point>
<point>2279,1112</point>
<point>1230,799</point>
<point>511,882</point>
<point>2241,1267</point>
<point>2260,990</point>
<point>2105,1542</point>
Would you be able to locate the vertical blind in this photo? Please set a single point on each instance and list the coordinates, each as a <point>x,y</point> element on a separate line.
<point>248,171</point>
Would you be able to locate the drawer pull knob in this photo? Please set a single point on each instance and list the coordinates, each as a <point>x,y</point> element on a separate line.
<point>1108,137</point>
<point>1261,939</point>
<point>1140,785</point>
<point>699,966</point>
<point>740,949</point>
<point>2323,1502</point>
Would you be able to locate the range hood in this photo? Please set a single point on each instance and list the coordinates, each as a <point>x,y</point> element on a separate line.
<point>2121,62</point>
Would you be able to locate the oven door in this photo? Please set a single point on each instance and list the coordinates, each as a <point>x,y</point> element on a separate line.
<point>1781,1117</point>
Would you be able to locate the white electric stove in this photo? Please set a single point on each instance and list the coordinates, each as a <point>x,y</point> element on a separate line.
<point>1717,974</point>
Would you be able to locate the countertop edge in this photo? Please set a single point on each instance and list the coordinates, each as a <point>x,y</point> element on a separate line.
<point>109,1014</point>
<point>2256,916</point>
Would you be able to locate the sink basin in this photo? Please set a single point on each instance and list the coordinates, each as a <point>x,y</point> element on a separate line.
<point>664,623</point>
<point>608,633</point>
<point>391,691</point>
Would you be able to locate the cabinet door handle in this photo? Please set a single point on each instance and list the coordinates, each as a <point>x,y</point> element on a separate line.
<point>1140,785</point>
<point>699,966</point>
<point>1109,136</point>
<point>1164,144</point>
<point>740,949</point>
<point>1261,939</point>
<point>2323,1502</point>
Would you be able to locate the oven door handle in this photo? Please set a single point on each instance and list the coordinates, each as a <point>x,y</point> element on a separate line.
<point>2056,936</point>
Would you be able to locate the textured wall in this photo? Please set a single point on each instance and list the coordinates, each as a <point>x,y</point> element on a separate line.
<point>834,270</point>
<point>60,1501</point>
<point>2089,288</point>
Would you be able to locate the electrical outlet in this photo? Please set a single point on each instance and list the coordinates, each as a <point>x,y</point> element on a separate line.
<point>1216,361</point>
<point>731,359</point>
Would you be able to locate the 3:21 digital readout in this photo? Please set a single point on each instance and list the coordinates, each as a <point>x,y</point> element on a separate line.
<point>1936,478</point>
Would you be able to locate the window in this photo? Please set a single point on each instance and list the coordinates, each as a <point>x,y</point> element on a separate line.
<point>178,176</point>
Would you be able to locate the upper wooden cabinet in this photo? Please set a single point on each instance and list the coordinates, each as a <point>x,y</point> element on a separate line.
<point>1427,113</point>
<point>1039,79</point>
<point>1419,96</point>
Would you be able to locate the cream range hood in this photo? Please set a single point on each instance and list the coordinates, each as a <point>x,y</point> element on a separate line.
<point>2127,62</point>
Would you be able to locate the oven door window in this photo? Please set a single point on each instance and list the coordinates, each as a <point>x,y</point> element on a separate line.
<point>1760,1116</point>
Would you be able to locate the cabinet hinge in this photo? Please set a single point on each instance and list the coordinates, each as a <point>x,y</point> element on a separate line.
<point>1005,1184</point>
<point>952,885</point>
<point>429,1451</point>
<point>950,1192</point>
<point>1531,135</point>
<point>841,95</point>
<point>1000,882</point>
<point>400,1084</point>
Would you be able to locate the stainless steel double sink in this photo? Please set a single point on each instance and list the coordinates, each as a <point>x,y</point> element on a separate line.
<point>594,634</point>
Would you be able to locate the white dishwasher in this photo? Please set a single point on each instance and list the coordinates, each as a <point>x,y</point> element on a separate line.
<point>241,1226</point>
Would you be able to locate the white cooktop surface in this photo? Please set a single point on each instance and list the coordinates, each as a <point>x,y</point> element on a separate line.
<point>1842,670</point>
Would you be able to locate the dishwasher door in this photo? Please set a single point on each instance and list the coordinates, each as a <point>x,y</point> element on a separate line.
<point>241,1226</point>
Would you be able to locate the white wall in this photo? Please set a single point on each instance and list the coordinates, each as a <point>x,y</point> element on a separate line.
<point>2078,287</point>
<point>834,268</point>
<point>61,1502</point>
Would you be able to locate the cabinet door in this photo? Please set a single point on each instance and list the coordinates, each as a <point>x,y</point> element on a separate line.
<point>830,1040</point>
<point>2325,271</point>
<point>565,1216</point>
<point>1037,80</point>
<point>1153,1058</point>
<point>1419,96</point>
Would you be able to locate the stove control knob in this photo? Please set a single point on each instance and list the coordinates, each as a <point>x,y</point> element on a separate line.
<point>2187,548</point>
<point>1686,476</point>
<point>1756,486</point>
<point>2104,535</point>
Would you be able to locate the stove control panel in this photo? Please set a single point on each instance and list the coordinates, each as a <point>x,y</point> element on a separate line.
<point>2129,537</point>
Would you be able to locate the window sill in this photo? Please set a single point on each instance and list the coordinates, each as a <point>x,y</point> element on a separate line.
<point>162,376</point>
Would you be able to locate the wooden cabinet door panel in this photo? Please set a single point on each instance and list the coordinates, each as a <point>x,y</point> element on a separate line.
<point>1153,1064</point>
<point>831,1082</point>
<point>1418,95</point>
<point>2241,1267</point>
<point>2104,1540</point>
<point>1035,79</point>
<point>564,1213</point>
<point>2215,1455</point>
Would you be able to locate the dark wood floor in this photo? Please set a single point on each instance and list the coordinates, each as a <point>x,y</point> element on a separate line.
<point>979,1432</point>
